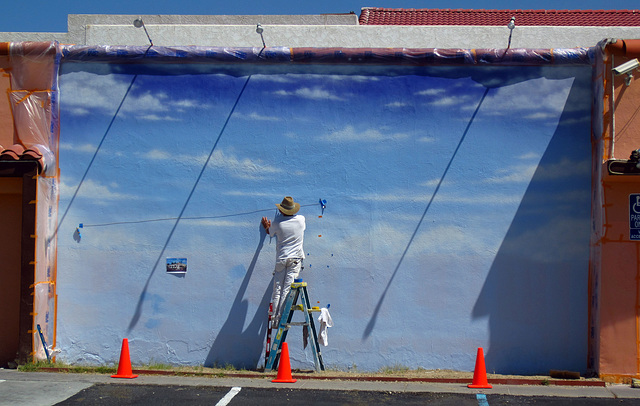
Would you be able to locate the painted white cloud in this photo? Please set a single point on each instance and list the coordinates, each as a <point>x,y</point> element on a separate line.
<point>243,168</point>
<point>103,94</point>
<point>226,223</point>
<point>156,154</point>
<point>79,111</point>
<point>67,146</point>
<point>539,98</point>
<point>393,197</point>
<point>455,100</point>
<point>271,78</point>
<point>96,191</point>
<point>513,174</point>
<point>431,92</point>
<point>316,93</point>
<point>255,117</point>
<point>349,134</point>
<point>91,91</point>
<point>564,168</point>
<point>536,99</point>
<point>450,239</point>
<point>156,117</point>
<point>525,172</point>
<point>431,182</point>
<point>441,197</point>
<point>242,193</point>
<point>426,139</point>
<point>352,78</point>
<point>389,240</point>
<point>310,77</point>
<point>530,155</point>
<point>481,198</point>
<point>549,243</point>
<point>396,105</point>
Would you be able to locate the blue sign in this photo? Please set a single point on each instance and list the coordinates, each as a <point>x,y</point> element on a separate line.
<point>634,216</point>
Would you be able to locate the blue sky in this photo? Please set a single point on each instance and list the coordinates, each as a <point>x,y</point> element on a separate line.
<point>50,16</point>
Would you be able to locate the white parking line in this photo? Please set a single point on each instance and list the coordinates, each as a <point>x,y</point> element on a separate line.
<point>227,398</point>
<point>482,399</point>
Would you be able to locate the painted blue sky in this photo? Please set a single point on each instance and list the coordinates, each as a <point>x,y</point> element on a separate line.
<point>47,16</point>
<point>372,144</point>
<point>436,179</point>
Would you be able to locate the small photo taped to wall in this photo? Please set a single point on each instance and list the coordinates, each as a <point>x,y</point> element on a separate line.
<point>177,265</point>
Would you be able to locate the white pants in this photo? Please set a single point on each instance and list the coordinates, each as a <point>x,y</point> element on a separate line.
<point>283,276</point>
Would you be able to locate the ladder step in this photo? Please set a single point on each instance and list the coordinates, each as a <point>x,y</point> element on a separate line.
<point>301,308</point>
<point>298,291</point>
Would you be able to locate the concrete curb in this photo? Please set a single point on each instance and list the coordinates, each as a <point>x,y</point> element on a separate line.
<point>268,375</point>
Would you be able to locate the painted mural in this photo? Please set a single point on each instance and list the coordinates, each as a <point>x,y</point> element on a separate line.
<point>456,212</point>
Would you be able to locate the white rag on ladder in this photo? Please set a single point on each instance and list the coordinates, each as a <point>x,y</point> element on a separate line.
<point>325,322</point>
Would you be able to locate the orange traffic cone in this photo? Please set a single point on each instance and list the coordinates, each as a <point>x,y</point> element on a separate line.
<point>480,373</point>
<point>284,369</point>
<point>124,366</point>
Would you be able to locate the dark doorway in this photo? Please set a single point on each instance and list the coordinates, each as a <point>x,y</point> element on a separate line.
<point>18,182</point>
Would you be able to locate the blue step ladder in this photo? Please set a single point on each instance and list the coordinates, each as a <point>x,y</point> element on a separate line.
<point>298,290</point>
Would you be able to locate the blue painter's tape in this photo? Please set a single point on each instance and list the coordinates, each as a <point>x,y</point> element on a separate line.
<point>482,399</point>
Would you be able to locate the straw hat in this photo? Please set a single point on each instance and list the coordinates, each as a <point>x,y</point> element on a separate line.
<point>288,206</point>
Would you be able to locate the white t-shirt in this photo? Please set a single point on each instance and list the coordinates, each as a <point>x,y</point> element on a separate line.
<point>289,232</point>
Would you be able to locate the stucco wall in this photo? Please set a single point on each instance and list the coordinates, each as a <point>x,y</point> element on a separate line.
<point>468,37</point>
<point>617,246</point>
<point>457,211</point>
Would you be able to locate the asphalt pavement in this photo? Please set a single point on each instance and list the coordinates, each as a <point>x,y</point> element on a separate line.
<point>49,388</point>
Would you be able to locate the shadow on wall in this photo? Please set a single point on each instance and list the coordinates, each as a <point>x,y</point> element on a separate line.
<point>232,345</point>
<point>536,291</point>
<point>372,322</point>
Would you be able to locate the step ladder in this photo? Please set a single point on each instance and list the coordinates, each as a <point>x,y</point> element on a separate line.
<point>298,290</point>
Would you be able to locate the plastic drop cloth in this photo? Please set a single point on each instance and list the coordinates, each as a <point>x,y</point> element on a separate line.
<point>33,95</point>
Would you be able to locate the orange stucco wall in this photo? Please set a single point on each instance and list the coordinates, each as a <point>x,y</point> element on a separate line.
<point>619,281</point>
<point>619,265</point>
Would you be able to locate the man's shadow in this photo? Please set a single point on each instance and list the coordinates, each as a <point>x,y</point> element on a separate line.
<point>232,345</point>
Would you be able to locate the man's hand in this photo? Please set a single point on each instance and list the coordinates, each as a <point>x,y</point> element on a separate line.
<point>266,223</point>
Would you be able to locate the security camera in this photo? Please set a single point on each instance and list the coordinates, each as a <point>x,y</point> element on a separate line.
<point>627,67</point>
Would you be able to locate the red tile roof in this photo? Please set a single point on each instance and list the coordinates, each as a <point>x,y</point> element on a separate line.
<point>581,18</point>
<point>17,152</point>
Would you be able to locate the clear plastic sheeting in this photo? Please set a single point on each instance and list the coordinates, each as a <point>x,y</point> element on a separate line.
<point>33,70</point>
<point>403,56</point>
<point>33,65</point>
<point>146,54</point>
<point>45,270</point>
<point>32,116</point>
<point>34,87</point>
<point>437,56</point>
<point>598,214</point>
